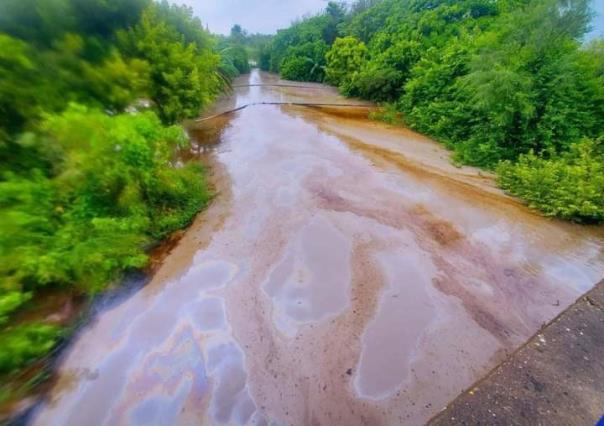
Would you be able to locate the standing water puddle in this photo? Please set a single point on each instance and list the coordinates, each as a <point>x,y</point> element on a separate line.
<point>312,281</point>
<point>345,275</point>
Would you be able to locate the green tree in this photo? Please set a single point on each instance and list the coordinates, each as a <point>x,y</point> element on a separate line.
<point>184,76</point>
<point>335,13</point>
<point>305,62</point>
<point>104,17</point>
<point>36,21</point>
<point>299,52</point>
<point>234,52</point>
<point>17,71</point>
<point>112,190</point>
<point>264,58</point>
<point>85,189</point>
<point>346,56</point>
<point>494,81</point>
<point>238,35</point>
<point>432,102</point>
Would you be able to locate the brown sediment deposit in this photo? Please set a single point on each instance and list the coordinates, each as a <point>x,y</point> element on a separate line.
<point>346,273</point>
<point>441,231</point>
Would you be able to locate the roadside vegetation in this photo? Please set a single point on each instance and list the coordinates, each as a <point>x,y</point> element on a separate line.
<point>91,94</point>
<point>235,57</point>
<point>239,49</point>
<point>508,85</point>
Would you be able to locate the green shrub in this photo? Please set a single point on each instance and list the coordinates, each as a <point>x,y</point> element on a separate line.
<point>388,113</point>
<point>9,302</point>
<point>376,84</point>
<point>305,62</point>
<point>227,68</point>
<point>297,68</point>
<point>23,344</point>
<point>183,70</point>
<point>85,190</point>
<point>346,56</point>
<point>570,186</point>
<point>113,190</point>
<point>240,58</point>
<point>309,37</point>
<point>175,196</point>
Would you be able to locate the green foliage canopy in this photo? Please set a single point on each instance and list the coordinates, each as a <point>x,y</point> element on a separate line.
<point>183,77</point>
<point>346,56</point>
<point>298,53</point>
<point>86,187</point>
<point>496,81</point>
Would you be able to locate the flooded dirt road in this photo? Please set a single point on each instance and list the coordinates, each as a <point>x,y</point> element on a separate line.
<point>346,274</point>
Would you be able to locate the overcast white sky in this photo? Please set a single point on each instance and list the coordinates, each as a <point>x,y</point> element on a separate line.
<point>598,23</point>
<point>266,16</point>
<point>255,16</point>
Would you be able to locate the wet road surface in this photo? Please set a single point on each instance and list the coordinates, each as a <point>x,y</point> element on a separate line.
<point>346,274</point>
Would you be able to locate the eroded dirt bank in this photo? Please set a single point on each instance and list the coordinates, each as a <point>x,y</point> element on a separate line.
<point>346,274</point>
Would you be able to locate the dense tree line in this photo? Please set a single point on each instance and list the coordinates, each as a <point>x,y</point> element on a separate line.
<point>298,52</point>
<point>89,176</point>
<point>235,56</point>
<point>240,49</point>
<point>506,84</point>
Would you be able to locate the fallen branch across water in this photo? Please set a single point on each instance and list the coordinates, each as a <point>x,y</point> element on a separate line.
<point>309,104</point>
<point>298,86</point>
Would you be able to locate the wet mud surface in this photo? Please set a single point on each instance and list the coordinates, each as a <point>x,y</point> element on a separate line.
<point>345,274</point>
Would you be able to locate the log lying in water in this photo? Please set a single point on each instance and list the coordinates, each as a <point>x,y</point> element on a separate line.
<point>307,104</point>
<point>298,86</point>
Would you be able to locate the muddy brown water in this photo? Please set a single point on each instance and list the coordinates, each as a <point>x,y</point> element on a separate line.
<point>346,274</point>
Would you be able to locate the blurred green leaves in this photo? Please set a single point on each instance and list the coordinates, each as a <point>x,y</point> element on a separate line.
<point>86,187</point>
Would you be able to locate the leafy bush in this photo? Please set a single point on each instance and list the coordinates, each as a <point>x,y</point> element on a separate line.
<point>10,302</point>
<point>234,58</point>
<point>84,188</point>
<point>113,189</point>
<point>264,58</point>
<point>374,83</point>
<point>297,68</point>
<point>175,196</point>
<point>346,56</point>
<point>570,186</point>
<point>240,58</point>
<point>383,77</point>
<point>23,344</point>
<point>183,73</point>
<point>305,62</point>
<point>309,38</point>
<point>49,67</point>
<point>388,113</point>
<point>505,82</point>
<point>17,69</point>
<point>227,68</point>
